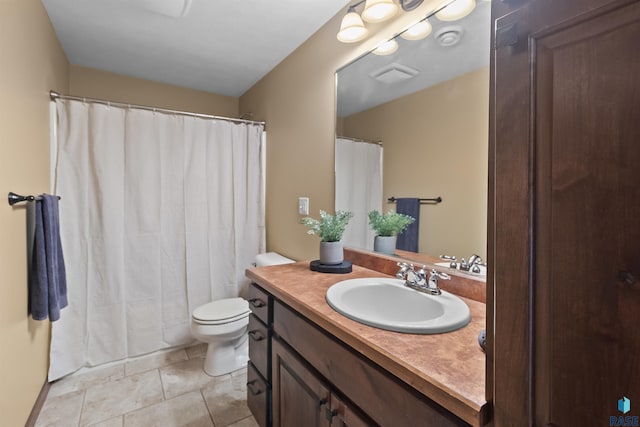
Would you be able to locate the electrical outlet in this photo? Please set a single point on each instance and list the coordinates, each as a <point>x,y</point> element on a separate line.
<point>303,205</point>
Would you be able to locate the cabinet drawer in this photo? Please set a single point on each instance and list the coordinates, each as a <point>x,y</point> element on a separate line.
<point>258,396</point>
<point>259,303</point>
<point>259,350</point>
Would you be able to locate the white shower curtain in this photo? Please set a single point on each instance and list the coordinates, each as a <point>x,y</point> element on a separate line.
<point>358,187</point>
<point>159,213</point>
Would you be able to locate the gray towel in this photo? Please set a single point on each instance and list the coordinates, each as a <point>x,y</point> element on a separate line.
<point>408,239</point>
<point>47,276</point>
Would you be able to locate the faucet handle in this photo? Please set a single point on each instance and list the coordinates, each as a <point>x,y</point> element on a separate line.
<point>433,281</point>
<point>439,274</point>
<point>404,267</point>
<point>452,261</point>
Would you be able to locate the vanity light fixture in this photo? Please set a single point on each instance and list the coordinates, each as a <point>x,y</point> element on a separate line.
<point>417,31</point>
<point>379,10</point>
<point>386,48</point>
<point>455,10</point>
<point>352,28</point>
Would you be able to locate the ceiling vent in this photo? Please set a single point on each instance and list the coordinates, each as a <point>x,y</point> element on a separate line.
<point>394,73</point>
<point>449,36</point>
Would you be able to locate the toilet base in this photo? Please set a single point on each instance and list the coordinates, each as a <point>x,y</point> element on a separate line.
<point>221,360</point>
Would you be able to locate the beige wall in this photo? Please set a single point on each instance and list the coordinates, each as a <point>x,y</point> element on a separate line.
<point>32,64</point>
<point>92,83</point>
<point>436,144</point>
<point>297,100</point>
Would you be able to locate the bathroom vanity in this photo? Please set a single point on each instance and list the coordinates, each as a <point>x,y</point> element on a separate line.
<point>309,365</point>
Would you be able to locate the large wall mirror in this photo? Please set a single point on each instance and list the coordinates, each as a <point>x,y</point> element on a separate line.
<point>420,116</point>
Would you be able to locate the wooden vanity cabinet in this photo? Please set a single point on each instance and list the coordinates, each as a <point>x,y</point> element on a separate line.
<point>301,375</point>
<point>386,400</point>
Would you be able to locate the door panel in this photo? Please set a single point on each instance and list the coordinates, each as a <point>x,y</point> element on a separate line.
<point>587,216</point>
<point>564,237</point>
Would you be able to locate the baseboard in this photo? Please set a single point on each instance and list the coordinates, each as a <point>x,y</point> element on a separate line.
<point>37,406</point>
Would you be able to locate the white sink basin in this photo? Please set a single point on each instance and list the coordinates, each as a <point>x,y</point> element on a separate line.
<point>387,304</point>
<point>483,269</point>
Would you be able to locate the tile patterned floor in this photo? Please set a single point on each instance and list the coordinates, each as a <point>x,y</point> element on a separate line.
<point>168,389</point>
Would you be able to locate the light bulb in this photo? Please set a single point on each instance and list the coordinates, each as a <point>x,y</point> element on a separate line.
<point>456,10</point>
<point>417,31</point>
<point>352,28</point>
<point>386,48</point>
<point>379,10</point>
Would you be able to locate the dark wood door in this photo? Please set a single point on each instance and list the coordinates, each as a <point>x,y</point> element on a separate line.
<point>299,397</point>
<point>565,216</point>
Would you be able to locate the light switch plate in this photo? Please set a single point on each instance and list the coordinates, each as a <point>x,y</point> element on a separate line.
<point>303,205</point>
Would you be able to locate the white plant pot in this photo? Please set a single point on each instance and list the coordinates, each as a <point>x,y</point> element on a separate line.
<point>385,244</point>
<point>331,253</point>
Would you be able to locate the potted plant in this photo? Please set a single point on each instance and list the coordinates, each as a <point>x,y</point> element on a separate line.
<point>330,229</point>
<point>387,227</point>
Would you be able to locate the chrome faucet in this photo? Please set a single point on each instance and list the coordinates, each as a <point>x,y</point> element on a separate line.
<point>472,265</point>
<point>418,279</point>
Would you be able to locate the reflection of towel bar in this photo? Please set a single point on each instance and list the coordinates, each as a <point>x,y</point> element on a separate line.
<point>16,198</point>
<point>433,201</point>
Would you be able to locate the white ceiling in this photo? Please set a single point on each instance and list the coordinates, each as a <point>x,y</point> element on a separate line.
<point>220,46</point>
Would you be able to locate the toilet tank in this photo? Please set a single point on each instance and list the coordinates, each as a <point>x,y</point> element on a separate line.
<point>271,258</point>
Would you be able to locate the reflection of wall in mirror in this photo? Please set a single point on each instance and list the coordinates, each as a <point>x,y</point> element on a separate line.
<point>436,144</point>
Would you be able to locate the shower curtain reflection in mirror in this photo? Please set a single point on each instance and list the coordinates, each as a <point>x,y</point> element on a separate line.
<point>358,187</point>
<point>163,212</point>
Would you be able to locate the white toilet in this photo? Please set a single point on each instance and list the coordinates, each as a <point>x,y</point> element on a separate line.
<point>223,325</point>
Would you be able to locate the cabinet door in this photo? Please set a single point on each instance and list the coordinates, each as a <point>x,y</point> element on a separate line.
<point>566,238</point>
<point>299,397</point>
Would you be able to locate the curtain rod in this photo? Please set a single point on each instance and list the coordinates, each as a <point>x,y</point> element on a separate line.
<point>360,140</point>
<point>55,95</point>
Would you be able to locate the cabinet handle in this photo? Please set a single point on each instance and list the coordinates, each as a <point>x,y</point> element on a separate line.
<point>257,302</point>
<point>252,389</point>
<point>256,335</point>
<point>329,414</point>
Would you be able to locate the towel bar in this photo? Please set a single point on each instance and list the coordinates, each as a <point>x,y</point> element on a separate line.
<point>434,200</point>
<point>16,198</point>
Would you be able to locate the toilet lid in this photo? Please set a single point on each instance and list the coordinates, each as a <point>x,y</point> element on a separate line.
<point>225,309</point>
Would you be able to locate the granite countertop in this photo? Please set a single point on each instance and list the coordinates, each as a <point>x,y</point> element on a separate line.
<point>448,368</point>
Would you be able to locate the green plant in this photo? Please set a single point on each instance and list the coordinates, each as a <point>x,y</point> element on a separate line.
<point>330,227</point>
<point>389,224</point>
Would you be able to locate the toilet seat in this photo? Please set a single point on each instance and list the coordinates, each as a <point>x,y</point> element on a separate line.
<point>221,311</point>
